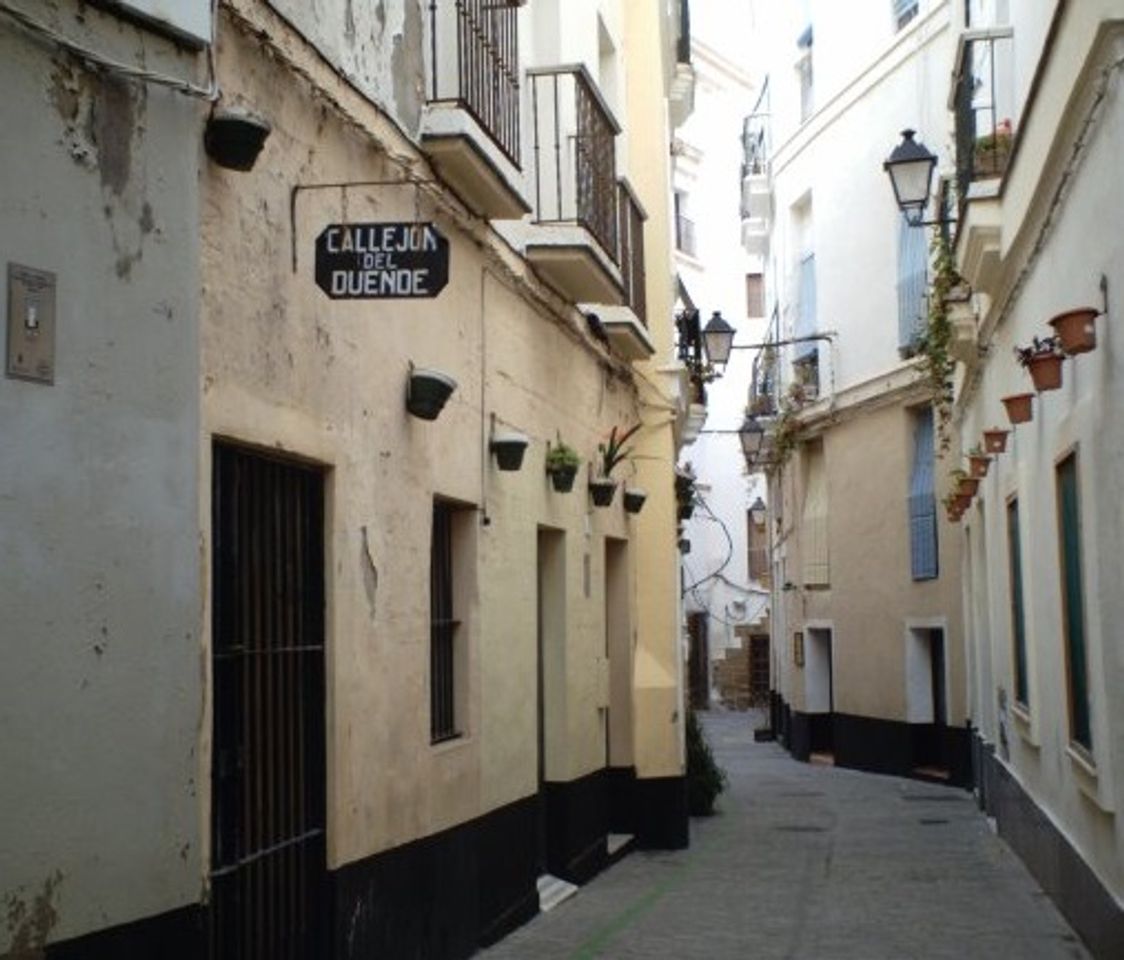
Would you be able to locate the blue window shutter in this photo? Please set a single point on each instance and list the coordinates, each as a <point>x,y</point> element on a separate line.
<point>806,318</point>
<point>923,501</point>
<point>913,270</point>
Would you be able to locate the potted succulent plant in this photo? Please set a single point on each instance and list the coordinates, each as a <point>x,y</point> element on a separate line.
<point>1020,407</point>
<point>995,440</point>
<point>612,452</point>
<point>1043,360</point>
<point>964,484</point>
<point>509,447</point>
<point>562,462</point>
<point>978,462</point>
<point>1075,330</point>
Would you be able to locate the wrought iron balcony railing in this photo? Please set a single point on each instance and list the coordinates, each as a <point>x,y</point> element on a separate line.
<point>631,231</point>
<point>575,153</point>
<point>474,47</point>
<point>983,100</point>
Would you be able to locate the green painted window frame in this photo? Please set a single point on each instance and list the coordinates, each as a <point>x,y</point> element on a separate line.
<point>1073,602</point>
<point>1018,614</point>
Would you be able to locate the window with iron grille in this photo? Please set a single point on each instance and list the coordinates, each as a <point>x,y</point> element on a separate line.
<point>754,295</point>
<point>1073,603</point>
<point>444,655</point>
<point>923,500</point>
<point>904,11</point>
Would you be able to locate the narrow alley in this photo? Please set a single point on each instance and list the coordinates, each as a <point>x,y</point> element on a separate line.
<point>810,861</point>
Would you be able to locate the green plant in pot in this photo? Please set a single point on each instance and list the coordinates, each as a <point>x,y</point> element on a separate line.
<point>705,779</point>
<point>562,462</point>
<point>685,492</point>
<point>611,453</point>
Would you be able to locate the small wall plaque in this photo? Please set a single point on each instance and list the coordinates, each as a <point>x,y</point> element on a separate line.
<point>31,324</point>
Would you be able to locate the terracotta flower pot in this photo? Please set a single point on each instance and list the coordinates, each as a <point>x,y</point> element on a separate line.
<point>1046,371</point>
<point>1020,407</point>
<point>977,465</point>
<point>1076,330</point>
<point>967,486</point>
<point>995,440</point>
<point>601,490</point>
<point>962,502</point>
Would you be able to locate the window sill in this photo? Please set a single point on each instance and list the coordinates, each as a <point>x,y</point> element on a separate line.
<point>1024,724</point>
<point>1087,776</point>
<point>448,744</point>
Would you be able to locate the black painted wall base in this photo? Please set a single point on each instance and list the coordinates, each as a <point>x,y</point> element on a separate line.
<point>662,822</point>
<point>621,786</point>
<point>577,825</point>
<point>879,746</point>
<point>177,935</point>
<point>1055,864</point>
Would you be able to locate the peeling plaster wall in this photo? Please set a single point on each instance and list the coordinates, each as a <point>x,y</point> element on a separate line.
<point>101,692</point>
<point>379,46</point>
<point>286,368</point>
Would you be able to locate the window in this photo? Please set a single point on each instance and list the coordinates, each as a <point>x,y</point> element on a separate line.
<point>922,500</point>
<point>806,355</point>
<point>1018,623</point>
<point>757,549</point>
<point>684,226</point>
<point>913,270</point>
<point>804,73</point>
<point>817,571</point>
<point>1073,604</point>
<point>904,11</point>
<point>754,295</point>
<point>447,583</point>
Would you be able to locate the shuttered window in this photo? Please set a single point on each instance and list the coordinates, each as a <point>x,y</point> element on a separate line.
<point>806,313</point>
<point>1018,621</point>
<point>1073,603</point>
<point>442,628</point>
<point>913,269</point>
<point>922,500</point>
<point>814,545</point>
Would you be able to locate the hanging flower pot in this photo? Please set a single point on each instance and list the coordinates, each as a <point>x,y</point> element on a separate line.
<point>1046,371</point>
<point>634,499</point>
<point>1043,360</point>
<point>234,136</point>
<point>978,462</point>
<point>967,486</point>
<point>509,447</point>
<point>995,440</point>
<point>601,490</point>
<point>961,502</point>
<point>1020,407</point>
<point>1076,330</point>
<point>427,391</point>
<point>562,462</point>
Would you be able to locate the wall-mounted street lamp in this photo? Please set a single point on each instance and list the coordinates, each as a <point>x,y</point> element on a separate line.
<point>718,339</point>
<point>757,512</point>
<point>910,167</point>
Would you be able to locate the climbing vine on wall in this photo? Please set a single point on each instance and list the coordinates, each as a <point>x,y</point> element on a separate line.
<point>934,345</point>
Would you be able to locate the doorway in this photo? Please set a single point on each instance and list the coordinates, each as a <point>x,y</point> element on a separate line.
<point>551,644</point>
<point>268,860</point>
<point>927,699</point>
<point>819,690</point>
<point>759,670</point>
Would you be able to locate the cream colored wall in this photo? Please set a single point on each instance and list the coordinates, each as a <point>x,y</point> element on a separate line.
<point>1055,245</point>
<point>872,599</point>
<point>658,696</point>
<point>287,369</point>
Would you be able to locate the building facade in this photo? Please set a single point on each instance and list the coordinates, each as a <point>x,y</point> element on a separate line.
<point>1038,122</point>
<point>359,680</point>
<point>869,666</point>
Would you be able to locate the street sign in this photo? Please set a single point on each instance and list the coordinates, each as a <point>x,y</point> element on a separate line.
<point>379,261</point>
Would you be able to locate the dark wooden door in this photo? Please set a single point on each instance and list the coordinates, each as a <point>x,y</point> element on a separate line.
<point>268,867</point>
<point>758,670</point>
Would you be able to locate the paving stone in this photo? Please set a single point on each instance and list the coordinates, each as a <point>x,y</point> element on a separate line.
<point>807,861</point>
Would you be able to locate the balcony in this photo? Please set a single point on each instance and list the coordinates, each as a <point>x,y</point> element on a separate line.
<point>627,325</point>
<point>983,101</point>
<point>573,238</point>
<point>681,96</point>
<point>470,127</point>
<point>757,189</point>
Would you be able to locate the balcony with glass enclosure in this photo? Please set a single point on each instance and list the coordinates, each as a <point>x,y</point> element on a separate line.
<point>756,187</point>
<point>471,128</point>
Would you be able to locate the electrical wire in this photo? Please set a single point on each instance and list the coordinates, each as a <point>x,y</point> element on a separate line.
<point>29,23</point>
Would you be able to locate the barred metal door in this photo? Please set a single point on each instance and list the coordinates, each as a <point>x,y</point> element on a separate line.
<point>268,801</point>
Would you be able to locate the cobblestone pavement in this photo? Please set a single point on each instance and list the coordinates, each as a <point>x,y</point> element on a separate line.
<point>808,861</point>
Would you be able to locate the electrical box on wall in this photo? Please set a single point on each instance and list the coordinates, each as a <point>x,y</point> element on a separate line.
<point>189,19</point>
<point>31,324</point>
